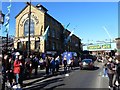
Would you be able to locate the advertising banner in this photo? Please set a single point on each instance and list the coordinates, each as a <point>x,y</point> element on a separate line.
<point>104,46</point>
<point>67,55</point>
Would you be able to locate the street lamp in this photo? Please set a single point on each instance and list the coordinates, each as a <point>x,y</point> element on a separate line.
<point>1,23</point>
<point>29,28</point>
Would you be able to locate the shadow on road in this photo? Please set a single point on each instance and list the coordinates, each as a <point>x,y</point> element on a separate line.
<point>41,74</point>
<point>37,85</point>
<point>95,68</point>
<point>52,88</point>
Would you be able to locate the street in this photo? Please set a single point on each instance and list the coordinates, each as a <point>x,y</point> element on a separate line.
<point>76,79</point>
<point>40,42</point>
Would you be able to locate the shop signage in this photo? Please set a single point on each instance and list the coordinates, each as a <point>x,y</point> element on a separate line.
<point>94,47</point>
<point>105,46</point>
<point>26,16</point>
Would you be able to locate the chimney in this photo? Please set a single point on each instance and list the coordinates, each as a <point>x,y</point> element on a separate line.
<point>42,8</point>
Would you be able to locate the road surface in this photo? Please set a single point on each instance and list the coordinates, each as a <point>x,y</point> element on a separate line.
<point>76,79</point>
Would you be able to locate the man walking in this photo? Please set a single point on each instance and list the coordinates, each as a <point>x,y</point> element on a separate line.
<point>110,72</point>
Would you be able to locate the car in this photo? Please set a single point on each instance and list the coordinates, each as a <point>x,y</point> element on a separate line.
<point>86,64</point>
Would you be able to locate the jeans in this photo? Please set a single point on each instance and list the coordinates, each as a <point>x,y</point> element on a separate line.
<point>105,71</point>
<point>17,78</point>
<point>111,79</point>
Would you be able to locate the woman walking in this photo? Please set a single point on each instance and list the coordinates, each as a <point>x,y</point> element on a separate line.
<point>17,65</point>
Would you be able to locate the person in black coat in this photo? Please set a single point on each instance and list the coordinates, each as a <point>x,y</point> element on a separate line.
<point>47,60</point>
<point>65,64</point>
<point>110,71</point>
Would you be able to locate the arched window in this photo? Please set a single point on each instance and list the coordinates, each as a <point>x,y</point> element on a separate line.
<point>26,27</point>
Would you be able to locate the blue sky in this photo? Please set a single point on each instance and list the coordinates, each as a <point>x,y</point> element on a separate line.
<point>86,18</point>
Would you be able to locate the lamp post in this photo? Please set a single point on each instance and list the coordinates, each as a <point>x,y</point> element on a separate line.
<point>2,66</point>
<point>29,28</point>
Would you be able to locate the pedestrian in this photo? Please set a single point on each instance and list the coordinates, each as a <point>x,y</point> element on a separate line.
<point>17,65</point>
<point>47,61</point>
<point>22,67</point>
<point>65,64</point>
<point>110,72</point>
<point>4,66</point>
<point>52,64</point>
<point>57,63</point>
<point>105,70</point>
<point>79,60</point>
<point>72,63</point>
<point>9,71</point>
<point>28,67</point>
<point>69,64</point>
<point>36,62</point>
<point>117,74</point>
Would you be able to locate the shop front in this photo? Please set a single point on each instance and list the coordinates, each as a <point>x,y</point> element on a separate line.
<point>101,49</point>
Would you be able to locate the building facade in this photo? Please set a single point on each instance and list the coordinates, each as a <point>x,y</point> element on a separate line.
<point>40,20</point>
<point>6,45</point>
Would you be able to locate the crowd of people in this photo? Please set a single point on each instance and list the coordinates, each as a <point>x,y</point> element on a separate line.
<point>17,67</point>
<point>112,71</point>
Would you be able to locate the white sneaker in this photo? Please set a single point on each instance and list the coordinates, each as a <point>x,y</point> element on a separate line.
<point>116,83</point>
<point>106,75</point>
<point>109,87</point>
<point>103,75</point>
<point>8,84</point>
<point>15,86</point>
<point>66,75</point>
<point>18,86</point>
